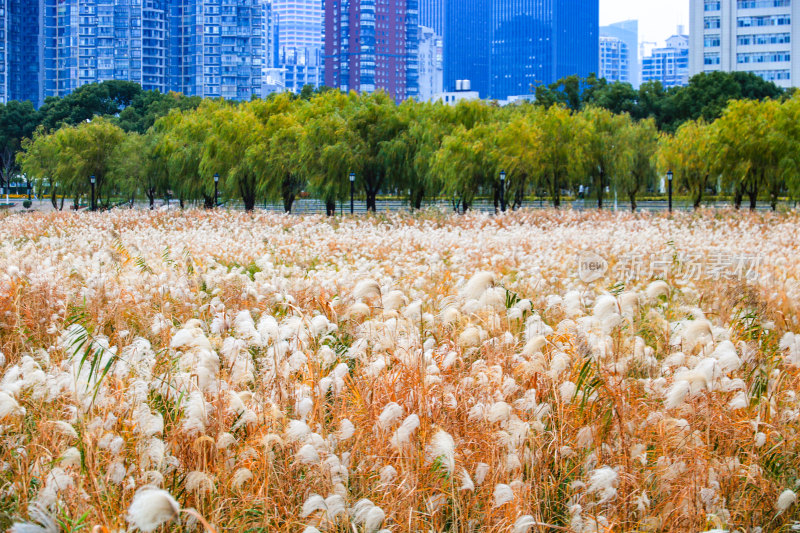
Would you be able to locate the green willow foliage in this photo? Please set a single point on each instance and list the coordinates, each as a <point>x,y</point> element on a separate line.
<point>279,148</point>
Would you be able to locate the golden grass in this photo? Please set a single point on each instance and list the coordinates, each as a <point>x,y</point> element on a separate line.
<point>174,349</point>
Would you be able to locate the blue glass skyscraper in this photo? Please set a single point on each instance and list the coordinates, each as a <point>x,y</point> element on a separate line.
<point>468,44</point>
<point>20,57</point>
<point>431,15</point>
<point>508,47</point>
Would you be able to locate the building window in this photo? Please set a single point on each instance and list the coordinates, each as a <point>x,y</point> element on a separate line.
<point>760,4</point>
<point>711,23</point>
<point>711,41</point>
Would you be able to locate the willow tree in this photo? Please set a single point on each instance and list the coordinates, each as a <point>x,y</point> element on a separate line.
<point>519,153</point>
<point>275,155</point>
<point>181,138</point>
<point>640,140</point>
<point>235,130</point>
<point>39,160</point>
<point>560,154</point>
<point>372,121</point>
<point>326,147</point>
<point>607,154</point>
<point>467,162</point>
<point>73,154</point>
<point>690,155</point>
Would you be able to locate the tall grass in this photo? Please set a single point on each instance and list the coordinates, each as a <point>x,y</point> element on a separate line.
<point>428,373</point>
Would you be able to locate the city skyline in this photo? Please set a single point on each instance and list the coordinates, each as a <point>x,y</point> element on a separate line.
<point>658,19</point>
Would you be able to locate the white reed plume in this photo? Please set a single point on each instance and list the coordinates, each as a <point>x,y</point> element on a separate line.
<point>390,414</point>
<point>152,507</point>
<point>785,500</point>
<point>657,289</point>
<point>442,448</point>
<point>41,522</point>
<point>366,290</point>
<point>603,482</point>
<point>9,406</point>
<point>502,494</point>
<point>403,434</point>
<point>477,285</point>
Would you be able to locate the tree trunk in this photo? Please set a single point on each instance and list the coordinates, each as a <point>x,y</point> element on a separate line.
<point>151,195</point>
<point>518,197</point>
<point>753,195</point>
<point>288,202</point>
<point>249,203</point>
<point>182,202</point>
<point>330,207</point>
<point>737,199</point>
<point>632,196</point>
<point>417,195</point>
<point>53,197</point>
<point>601,191</point>
<point>372,196</point>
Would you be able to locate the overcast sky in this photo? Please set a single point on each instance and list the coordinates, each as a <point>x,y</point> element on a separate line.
<point>658,19</point>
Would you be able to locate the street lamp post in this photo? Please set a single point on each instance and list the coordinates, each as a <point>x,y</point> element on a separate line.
<point>93,180</point>
<point>503,190</point>
<point>669,186</point>
<point>352,192</point>
<point>216,189</point>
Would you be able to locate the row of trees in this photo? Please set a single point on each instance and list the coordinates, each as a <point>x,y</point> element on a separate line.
<point>274,149</point>
<point>579,132</point>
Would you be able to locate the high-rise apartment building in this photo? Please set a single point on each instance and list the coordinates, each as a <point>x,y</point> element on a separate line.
<point>619,52</point>
<point>758,36</point>
<point>299,42</point>
<point>371,45</point>
<point>508,47</point>
<point>430,64</point>
<point>211,48</point>
<point>99,40</point>
<point>670,64</point>
<point>216,47</point>
<point>615,58</point>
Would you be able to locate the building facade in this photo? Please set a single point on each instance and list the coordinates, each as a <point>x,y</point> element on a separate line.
<point>20,50</point>
<point>758,36</point>
<point>209,48</point>
<point>467,44</point>
<point>3,49</point>
<point>371,45</point>
<point>216,48</point>
<point>92,41</point>
<point>430,64</point>
<point>619,52</point>
<point>525,43</point>
<point>431,15</point>
<point>299,42</point>
<point>669,65</point>
<point>615,57</point>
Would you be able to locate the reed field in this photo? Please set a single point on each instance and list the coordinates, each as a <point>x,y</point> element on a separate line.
<point>527,372</point>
